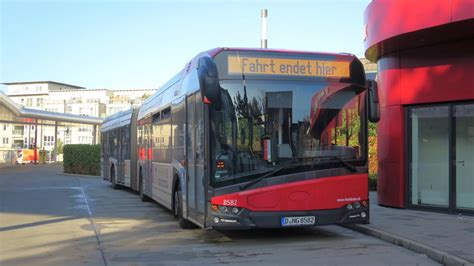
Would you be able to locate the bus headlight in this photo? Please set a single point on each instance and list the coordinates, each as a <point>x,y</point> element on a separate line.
<point>363,214</point>
<point>357,205</point>
<point>224,209</point>
<point>216,220</point>
<point>349,206</point>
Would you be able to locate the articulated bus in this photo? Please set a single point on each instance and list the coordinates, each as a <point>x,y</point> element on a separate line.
<point>251,138</point>
<point>118,145</point>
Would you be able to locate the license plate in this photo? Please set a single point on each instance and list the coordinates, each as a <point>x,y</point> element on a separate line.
<point>296,221</point>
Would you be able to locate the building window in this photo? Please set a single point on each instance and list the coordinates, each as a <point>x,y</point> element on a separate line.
<point>48,141</point>
<point>29,102</point>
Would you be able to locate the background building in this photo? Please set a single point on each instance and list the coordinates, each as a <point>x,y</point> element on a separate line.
<point>425,57</point>
<point>370,68</point>
<point>63,98</point>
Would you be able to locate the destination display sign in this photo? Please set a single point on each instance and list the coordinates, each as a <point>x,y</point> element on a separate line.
<point>287,67</point>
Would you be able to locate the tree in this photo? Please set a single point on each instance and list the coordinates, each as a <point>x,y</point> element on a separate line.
<point>59,147</point>
<point>145,96</point>
<point>373,160</point>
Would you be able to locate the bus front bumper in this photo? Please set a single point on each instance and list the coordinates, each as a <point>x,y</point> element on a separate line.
<point>246,219</point>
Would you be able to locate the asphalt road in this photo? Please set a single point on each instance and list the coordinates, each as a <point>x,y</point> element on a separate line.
<point>47,218</point>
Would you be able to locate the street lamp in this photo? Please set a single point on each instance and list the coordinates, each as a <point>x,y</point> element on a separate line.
<point>264,37</point>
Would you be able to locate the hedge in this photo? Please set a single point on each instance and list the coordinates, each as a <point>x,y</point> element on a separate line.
<point>82,159</point>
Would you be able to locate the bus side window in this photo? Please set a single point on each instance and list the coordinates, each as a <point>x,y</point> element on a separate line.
<point>111,144</point>
<point>178,131</point>
<point>140,136</point>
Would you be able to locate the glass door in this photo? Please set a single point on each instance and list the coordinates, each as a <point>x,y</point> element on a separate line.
<point>429,165</point>
<point>464,162</point>
<point>196,199</point>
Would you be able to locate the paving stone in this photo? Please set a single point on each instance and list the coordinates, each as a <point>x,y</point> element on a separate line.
<point>452,236</point>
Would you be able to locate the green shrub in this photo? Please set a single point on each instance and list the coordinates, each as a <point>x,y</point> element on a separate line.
<point>59,147</point>
<point>372,182</point>
<point>81,159</point>
<point>42,156</point>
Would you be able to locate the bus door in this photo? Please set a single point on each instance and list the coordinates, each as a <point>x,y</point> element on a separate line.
<point>119,166</point>
<point>196,199</point>
<point>147,175</point>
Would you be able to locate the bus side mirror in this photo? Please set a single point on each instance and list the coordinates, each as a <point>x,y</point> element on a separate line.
<point>209,82</point>
<point>374,104</point>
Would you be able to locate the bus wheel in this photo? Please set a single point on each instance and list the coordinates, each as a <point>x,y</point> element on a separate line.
<point>178,211</point>
<point>113,178</point>
<point>143,197</point>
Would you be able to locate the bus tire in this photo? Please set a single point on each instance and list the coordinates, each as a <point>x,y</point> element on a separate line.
<point>178,210</point>
<point>113,178</point>
<point>143,197</point>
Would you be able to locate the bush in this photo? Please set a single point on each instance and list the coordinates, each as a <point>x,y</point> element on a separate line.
<point>373,161</point>
<point>59,147</point>
<point>82,159</point>
<point>42,156</point>
<point>372,182</point>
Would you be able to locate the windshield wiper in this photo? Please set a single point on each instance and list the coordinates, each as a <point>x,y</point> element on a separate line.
<point>274,171</point>
<point>349,166</point>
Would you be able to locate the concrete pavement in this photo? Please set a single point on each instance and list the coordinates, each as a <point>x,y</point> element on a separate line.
<point>446,238</point>
<point>43,219</point>
<point>51,219</point>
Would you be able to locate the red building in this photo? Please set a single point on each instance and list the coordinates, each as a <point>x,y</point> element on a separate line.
<point>425,55</point>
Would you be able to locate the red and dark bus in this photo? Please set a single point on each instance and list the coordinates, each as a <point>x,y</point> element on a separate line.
<point>255,138</point>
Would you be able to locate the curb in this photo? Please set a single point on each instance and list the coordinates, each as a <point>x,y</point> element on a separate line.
<point>432,253</point>
<point>68,174</point>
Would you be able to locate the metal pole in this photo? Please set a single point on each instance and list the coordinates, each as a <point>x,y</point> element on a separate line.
<point>41,138</point>
<point>264,38</point>
<point>36,142</point>
<point>28,141</point>
<point>55,153</point>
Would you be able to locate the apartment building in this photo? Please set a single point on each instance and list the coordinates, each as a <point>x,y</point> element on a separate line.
<point>63,98</point>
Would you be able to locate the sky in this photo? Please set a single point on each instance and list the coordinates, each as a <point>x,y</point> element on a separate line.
<point>142,44</point>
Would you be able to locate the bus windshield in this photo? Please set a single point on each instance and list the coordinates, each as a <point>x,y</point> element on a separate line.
<point>264,124</point>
